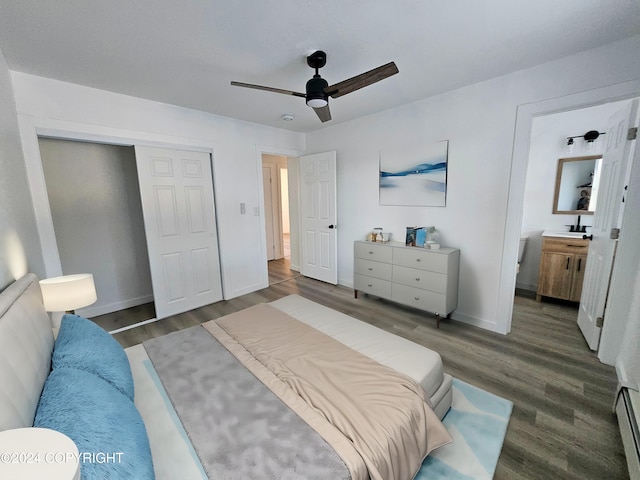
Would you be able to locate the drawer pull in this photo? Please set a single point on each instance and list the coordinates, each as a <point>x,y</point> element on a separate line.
<point>568,260</point>
<point>370,252</point>
<point>579,264</point>
<point>417,279</point>
<point>370,269</point>
<point>369,285</point>
<point>418,259</point>
<point>416,298</point>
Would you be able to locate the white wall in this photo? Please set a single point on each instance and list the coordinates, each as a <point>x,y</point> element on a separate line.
<point>19,245</point>
<point>97,217</point>
<point>479,122</point>
<point>548,144</point>
<point>45,105</point>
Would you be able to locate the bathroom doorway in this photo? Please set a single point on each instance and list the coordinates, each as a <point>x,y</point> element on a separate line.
<point>549,136</point>
<point>548,145</point>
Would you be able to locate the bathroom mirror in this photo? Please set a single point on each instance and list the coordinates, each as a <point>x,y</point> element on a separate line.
<point>577,185</point>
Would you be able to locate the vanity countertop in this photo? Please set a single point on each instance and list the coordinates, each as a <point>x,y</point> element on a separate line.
<point>554,233</point>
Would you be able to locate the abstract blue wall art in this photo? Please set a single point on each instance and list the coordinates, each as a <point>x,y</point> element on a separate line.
<point>414,175</point>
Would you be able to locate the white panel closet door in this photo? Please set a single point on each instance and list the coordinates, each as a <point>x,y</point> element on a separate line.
<point>176,187</point>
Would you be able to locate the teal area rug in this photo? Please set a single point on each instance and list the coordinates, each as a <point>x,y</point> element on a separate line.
<point>478,423</point>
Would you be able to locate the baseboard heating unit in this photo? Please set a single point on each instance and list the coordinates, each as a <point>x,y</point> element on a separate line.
<point>627,410</point>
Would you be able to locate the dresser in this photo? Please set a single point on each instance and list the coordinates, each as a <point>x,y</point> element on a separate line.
<point>413,276</point>
<point>562,267</point>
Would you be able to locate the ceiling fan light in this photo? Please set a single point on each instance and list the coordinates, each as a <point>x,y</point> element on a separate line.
<point>317,102</point>
<point>316,97</point>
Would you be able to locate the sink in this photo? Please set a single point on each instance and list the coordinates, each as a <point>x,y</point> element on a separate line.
<point>551,233</point>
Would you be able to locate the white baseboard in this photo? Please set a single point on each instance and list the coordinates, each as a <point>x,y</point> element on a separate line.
<point>468,319</point>
<point>94,311</point>
<point>458,316</point>
<point>346,282</point>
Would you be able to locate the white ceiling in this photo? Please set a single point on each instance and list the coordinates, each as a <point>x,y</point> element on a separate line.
<point>186,52</point>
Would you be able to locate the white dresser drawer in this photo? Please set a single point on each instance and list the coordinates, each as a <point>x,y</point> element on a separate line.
<point>371,251</point>
<point>420,299</point>
<point>372,269</point>
<point>432,281</point>
<point>420,258</point>
<point>374,286</point>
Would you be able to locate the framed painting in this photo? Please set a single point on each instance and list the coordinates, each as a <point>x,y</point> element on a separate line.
<point>414,175</point>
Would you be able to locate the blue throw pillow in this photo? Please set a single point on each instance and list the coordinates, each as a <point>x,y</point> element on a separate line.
<point>104,424</point>
<point>85,345</point>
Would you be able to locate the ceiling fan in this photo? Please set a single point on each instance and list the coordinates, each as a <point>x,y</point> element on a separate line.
<point>318,89</point>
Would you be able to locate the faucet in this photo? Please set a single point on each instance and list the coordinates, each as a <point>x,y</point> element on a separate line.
<point>577,227</point>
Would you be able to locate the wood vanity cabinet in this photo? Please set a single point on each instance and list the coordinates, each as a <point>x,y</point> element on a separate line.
<point>420,278</point>
<point>562,267</point>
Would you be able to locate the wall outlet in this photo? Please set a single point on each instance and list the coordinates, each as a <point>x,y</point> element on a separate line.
<point>243,208</point>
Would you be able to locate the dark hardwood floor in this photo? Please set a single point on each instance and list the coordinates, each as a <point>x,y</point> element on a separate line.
<point>562,424</point>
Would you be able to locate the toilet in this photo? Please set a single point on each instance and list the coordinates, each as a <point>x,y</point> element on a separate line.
<point>521,248</point>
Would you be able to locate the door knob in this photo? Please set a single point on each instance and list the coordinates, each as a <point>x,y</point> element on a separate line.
<point>332,226</point>
<point>587,237</point>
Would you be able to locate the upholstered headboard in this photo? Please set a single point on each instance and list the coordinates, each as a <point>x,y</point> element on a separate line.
<point>26,343</point>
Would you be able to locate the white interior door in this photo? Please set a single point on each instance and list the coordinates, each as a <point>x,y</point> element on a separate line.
<point>608,216</point>
<point>176,187</point>
<point>318,217</point>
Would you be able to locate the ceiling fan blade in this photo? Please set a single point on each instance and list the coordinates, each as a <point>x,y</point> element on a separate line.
<point>362,80</point>
<point>268,89</point>
<point>323,113</point>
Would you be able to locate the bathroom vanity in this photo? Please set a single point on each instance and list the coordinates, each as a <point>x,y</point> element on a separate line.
<point>562,266</point>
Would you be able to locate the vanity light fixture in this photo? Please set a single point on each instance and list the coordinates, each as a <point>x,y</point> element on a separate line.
<point>589,137</point>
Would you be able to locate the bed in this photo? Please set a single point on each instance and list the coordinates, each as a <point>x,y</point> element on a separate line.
<point>189,405</point>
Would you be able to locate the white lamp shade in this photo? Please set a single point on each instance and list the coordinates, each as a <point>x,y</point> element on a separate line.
<point>61,294</point>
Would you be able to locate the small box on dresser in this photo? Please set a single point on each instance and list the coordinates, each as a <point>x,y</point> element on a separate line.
<point>421,278</point>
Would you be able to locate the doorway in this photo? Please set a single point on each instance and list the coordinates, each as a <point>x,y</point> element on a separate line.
<point>515,221</point>
<point>548,145</point>
<point>277,217</point>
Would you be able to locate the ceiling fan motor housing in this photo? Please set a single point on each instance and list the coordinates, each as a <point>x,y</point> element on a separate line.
<point>316,96</point>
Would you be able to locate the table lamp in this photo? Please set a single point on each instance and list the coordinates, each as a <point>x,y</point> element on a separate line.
<point>68,292</point>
